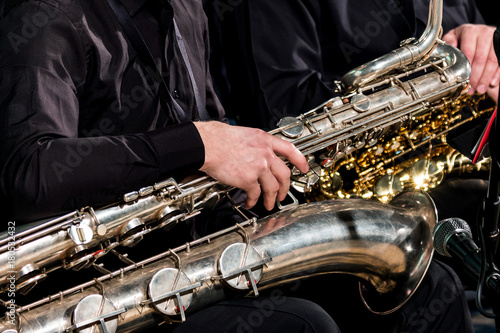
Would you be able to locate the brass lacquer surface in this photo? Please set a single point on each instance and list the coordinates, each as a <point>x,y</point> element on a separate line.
<point>385,107</point>
<point>415,156</point>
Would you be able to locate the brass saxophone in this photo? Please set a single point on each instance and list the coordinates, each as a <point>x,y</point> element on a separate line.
<point>377,100</point>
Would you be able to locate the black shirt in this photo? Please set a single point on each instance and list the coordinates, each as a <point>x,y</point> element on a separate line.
<point>283,56</point>
<point>81,118</point>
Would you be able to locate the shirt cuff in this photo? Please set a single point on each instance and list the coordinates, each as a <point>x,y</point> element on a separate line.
<point>180,149</point>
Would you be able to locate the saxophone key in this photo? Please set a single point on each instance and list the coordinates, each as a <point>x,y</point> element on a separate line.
<point>132,232</point>
<point>291,127</point>
<point>241,266</point>
<point>171,292</point>
<point>28,277</point>
<point>81,234</point>
<point>95,313</point>
<point>361,103</point>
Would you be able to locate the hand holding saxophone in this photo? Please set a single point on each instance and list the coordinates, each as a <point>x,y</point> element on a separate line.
<point>247,158</point>
<point>476,42</point>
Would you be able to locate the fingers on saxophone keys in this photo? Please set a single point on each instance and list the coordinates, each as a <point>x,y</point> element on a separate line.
<point>291,153</point>
<point>273,183</point>
<point>282,174</point>
<point>253,194</point>
<point>270,187</point>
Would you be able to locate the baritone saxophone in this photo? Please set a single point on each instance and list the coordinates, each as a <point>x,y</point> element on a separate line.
<point>388,245</point>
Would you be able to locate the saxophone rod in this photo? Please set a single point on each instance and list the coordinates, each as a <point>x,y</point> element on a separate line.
<point>133,266</point>
<point>361,129</point>
<point>430,138</point>
<point>189,188</point>
<point>29,231</point>
<point>68,219</point>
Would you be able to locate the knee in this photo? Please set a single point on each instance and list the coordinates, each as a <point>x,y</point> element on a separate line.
<point>283,314</point>
<point>438,302</point>
<point>262,314</point>
<point>307,315</point>
<point>443,283</point>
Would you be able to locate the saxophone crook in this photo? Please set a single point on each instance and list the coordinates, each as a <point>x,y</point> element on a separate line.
<point>410,53</point>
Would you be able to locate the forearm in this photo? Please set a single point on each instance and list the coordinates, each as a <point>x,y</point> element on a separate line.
<point>48,176</point>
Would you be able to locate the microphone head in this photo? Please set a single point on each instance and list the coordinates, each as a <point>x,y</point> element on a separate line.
<point>446,228</point>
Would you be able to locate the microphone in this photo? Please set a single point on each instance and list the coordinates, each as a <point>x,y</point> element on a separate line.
<point>453,238</point>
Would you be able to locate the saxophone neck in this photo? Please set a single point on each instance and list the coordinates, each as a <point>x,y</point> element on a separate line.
<point>409,53</point>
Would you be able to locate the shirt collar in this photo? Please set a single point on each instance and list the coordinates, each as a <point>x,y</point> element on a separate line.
<point>133,6</point>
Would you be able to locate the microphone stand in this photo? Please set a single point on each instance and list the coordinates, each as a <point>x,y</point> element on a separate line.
<point>491,204</point>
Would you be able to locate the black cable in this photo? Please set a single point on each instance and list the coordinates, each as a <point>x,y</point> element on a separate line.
<point>487,259</point>
<point>482,276</point>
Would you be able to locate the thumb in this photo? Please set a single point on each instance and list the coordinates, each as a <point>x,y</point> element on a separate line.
<point>451,38</point>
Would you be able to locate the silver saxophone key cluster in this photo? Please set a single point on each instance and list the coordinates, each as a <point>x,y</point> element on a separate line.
<point>388,245</point>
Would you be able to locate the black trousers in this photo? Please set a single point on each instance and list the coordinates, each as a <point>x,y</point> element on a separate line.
<point>332,304</point>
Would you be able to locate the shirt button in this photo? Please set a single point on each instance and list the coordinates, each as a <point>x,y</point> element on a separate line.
<point>176,93</point>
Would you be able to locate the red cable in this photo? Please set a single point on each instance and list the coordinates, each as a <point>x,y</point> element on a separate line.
<point>485,137</point>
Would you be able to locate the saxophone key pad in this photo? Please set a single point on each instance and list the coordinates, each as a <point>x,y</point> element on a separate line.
<point>171,291</point>
<point>292,127</point>
<point>78,257</point>
<point>241,266</point>
<point>132,232</point>
<point>80,234</point>
<point>28,277</point>
<point>361,103</point>
<point>97,314</point>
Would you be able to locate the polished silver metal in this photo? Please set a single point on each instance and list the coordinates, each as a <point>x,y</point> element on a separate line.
<point>388,246</point>
<point>240,265</point>
<point>160,289</point>
<point>294,127</point>
<point>335,129</point>
<point>94,310</point>
<point>410,53</point>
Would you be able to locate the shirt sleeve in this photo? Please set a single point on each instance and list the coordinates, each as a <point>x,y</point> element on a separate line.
<point>455,13</point>
<point>291,59</point>
<point>46,168</point>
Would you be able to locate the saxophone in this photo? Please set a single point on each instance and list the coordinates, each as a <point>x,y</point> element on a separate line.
<point>414,157</point>
<point>391,250</point>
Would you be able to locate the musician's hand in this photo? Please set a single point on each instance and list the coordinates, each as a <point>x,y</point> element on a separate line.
<point>247,158</point>
<point>476,42</point>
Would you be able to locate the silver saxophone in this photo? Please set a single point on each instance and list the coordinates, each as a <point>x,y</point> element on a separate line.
<point>389,246</point>
<point>391,250</point>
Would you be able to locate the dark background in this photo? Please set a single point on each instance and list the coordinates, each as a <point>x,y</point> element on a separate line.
<point>490,11</point>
